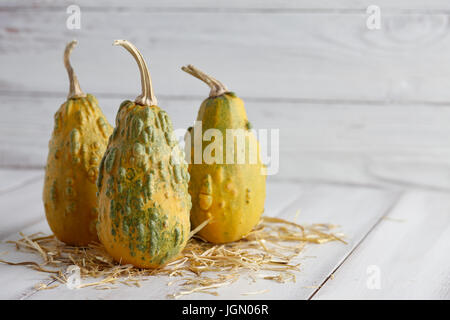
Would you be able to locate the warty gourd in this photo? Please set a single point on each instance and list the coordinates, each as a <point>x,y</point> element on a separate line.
<point>228,195</point>
<point>76,147</point>
<point>144,202</point>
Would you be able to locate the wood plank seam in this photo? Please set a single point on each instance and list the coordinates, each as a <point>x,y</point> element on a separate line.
<point>387,212</point>
<point>319,181</point>
<point>27,225</point>
<point>230,10</point>
<point>275,99</point>
<point>22,184</point>
<point>23,167</point>
<point>407,185</point>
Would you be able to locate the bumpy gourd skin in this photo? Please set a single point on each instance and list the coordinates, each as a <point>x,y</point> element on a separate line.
<point>77,145</point>
<point>230,195</point>
<point>143,189</point>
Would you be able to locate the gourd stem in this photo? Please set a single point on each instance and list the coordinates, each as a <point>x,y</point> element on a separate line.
<point>217,87</point>
<point>75,89</point>
<point>147,97</point>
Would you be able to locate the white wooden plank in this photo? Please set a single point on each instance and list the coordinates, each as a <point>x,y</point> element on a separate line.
<point>356,209</point>
<point>21,211</point>
<point>356,143</point>
<point>408,251</point>
<point>17,282</point>
<point>21,208</point>
<point>282,55</point>
<point>232,4</point>
<point>11,179</point>
<point>279,195</point>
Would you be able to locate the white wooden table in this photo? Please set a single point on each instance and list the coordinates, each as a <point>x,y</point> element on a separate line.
<point>404,235</point>
<point>364,124</point>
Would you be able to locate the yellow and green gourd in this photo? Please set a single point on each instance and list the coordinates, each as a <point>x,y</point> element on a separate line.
<point>229,196</point>
<point>143,180</point>
<point>79,139</point>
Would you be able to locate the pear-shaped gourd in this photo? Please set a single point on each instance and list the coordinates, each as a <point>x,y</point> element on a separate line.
<point>79,139</point>
<point>227,189</point>
<point>144,202</point>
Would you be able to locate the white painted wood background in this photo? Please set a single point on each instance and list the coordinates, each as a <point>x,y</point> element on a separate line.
<point>364,118</point>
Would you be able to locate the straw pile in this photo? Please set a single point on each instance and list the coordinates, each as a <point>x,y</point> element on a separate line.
<point>266,253</point>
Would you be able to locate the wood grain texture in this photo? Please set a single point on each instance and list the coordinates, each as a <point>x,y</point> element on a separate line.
<point>21,208</point>
<point>410,249</point>
<point>11,180</point>
<point>326,57</point>
<point>17,282</point>
<point>355,209</point>
<point>254,5</point>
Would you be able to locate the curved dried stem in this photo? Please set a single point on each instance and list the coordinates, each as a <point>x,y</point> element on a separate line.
<point>147,97</point>
<point>75,89</point>
<point>217,87</point>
